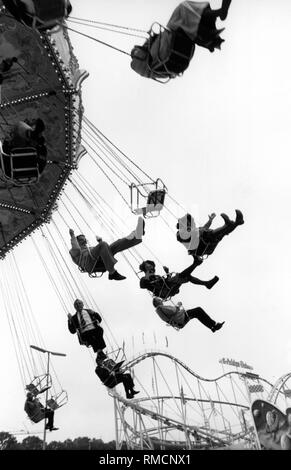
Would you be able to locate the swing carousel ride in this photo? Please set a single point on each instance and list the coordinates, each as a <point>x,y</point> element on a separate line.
<point>44,134</point>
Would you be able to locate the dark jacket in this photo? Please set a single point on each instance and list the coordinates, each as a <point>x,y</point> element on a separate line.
<point>34,409</point>
<point>161,286</point>
<point>109,379</point>
<point>74,325</point>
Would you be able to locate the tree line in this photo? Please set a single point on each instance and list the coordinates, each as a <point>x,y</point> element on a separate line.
<point>9,442</point>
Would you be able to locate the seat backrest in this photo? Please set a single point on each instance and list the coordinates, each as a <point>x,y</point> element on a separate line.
<point>182,50</point>
<point>156,197</point>
<point>155,201</point>
<point>109,364</point>
<point>52,404</point>
<point>23,159</point>
<point>24,166</point>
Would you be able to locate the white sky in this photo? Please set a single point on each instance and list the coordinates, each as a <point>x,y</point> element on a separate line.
<point>219,137</point>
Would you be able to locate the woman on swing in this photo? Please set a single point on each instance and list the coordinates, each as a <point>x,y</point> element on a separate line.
<point>177,316</point>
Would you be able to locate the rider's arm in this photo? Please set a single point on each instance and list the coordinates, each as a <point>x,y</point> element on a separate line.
<point>209,222</point>
<point>75,251</point>
<point>74,241</point>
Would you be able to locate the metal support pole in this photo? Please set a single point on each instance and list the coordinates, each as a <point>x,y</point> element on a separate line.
<point>117,444</point>
<point>47,382</point>
<point>46,398</point>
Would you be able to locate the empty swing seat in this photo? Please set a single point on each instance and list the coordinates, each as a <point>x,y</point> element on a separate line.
<point>58,400</point>
<point>147,202</point>
<point>52,404</point>
<point>21,165</point>
<point>39,384</point>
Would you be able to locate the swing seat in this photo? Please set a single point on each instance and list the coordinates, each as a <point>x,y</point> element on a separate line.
<point>154,199</point>
<point>52,404</point>
<point>94,274</point>
<point>39,14</point>
<point>20,166</point>
<point>57,401</point>
<point>97,271</point>
<point>165,55</point>
<point>155,204</point>
<point>33,389</point>
<point>172,55</point>
<point>111,364</point>
<point>117,354</point>
<point>39,384</point>
<point>37,417</point>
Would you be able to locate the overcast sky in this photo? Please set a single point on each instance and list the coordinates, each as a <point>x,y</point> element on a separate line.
<point>220,138</point>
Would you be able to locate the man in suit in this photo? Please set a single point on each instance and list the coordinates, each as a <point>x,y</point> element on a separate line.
<point>86,323</point>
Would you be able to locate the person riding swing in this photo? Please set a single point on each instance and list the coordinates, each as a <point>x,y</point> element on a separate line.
<point>101,257</point>
<point>169,285</point>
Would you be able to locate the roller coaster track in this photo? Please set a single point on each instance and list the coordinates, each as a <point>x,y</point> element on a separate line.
<point>210,436</point>
<point>146,355</point>
<point>169,422</point>
<point>200,400</point>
